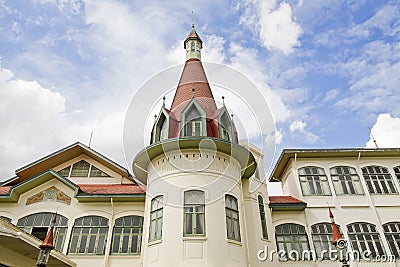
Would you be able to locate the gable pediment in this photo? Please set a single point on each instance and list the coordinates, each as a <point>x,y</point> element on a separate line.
<point>34,182</point>
<point>51,194</point>
<point>67,154</point>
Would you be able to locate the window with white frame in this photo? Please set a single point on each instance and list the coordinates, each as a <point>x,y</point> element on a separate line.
<point>314,181</point>
<point>292,239</point>
<point>89,236</point>
<point>392,234</point>
<point>194,213</point>
<point>379,180</point>
<point>127,235</point>
<point>322,239</point>
<point>38,225</point>
<point>262,217</point>
<point>156,217</point>
<point>346,181</point>
<point>232,218</point>
<point>364,237</point>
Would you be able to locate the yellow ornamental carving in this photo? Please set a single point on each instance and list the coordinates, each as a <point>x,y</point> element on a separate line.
<point>50,194</point>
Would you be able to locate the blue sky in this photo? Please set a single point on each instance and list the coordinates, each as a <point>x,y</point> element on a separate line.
<point>330,70</point>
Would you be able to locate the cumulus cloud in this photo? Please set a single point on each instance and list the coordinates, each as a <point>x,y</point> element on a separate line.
<point>298,127</point>
<point>274,23</point>
<point>386,132</point>
<point>33,122</point>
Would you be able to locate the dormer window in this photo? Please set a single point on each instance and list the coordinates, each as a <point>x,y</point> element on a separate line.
<point>225,126</point>
<point>164,130</point>
<point>161,127</point>
<point>193,120</point>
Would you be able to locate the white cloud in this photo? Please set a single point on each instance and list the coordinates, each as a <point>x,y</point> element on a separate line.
<point>298,127</point>
<point>385,19</point>
<point>33,122</point>
<point>386,132</point>
<point>274,137</point>
<point>275,24</point>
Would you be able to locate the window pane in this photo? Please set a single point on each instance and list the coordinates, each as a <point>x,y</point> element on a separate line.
<point>80,169</point>
<point>378,180</point>
<point>313,181</point>
<point>292,237</point>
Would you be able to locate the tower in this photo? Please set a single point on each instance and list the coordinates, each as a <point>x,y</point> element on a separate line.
<point>193,170</point>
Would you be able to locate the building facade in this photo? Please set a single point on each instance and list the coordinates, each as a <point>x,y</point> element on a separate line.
<point>196,198</point>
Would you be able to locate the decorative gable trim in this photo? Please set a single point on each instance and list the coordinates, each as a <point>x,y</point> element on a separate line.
<point>50,194</point>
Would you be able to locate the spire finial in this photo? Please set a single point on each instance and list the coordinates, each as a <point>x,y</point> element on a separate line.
<point>163,101</point>
<point>223,100</point>
<point>193,92</point>
<point>192,19</point>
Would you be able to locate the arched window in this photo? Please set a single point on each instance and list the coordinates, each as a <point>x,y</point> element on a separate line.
<point>127,235</point>
<point>322,239</point>
<point>262,217</point>
<point>346,181</point>
<point>193,122</point>
<point>363,237</point>
<point>379,180</point>
<point>192,46</point>
<point>392,234</point>
<point>232,218</point>
<point>156,217</point>
<point>194,213</point>
<point>89,235</point>
<point>38,225</point>
<point>292,239</point>
<point>314,182</point>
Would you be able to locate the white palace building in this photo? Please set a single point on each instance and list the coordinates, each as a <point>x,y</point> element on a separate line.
<point>195,198</point>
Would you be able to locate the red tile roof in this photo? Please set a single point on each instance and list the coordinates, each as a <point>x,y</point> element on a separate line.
<point>284,200</point>
<point>111,189</point>
<point>4,190</point>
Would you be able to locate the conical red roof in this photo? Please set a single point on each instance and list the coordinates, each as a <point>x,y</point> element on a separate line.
<point>193,77</point>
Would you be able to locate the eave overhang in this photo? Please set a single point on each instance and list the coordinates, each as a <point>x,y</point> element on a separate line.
<point>241,154</point>
<point>289,154</point>
<point>28,184</point>
<point>288,206</point>
<point>63,155</point>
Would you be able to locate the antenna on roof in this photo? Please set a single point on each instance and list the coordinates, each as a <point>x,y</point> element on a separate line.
<point>90,139</point>
<point>373,138</point>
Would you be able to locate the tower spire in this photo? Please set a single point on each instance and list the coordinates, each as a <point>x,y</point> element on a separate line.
<point>193,44</point>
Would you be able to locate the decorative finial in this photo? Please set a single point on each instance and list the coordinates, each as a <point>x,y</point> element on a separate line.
<point>223,100</point>
<point>163,101</point>
<point>193,92</point>
<point>155,116</point>
<point>192,19</point>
